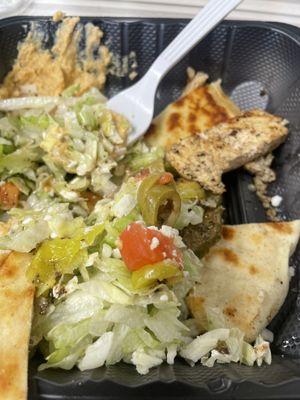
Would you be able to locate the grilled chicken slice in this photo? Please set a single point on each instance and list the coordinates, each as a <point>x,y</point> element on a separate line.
<point>206,156</point>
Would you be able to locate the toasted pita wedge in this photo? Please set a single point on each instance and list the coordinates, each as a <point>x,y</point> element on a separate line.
<point>206,156</point>
<point>16,298</point>
<point>199,108</point>
<point>245,277</point>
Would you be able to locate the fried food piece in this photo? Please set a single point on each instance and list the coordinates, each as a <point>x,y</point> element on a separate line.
<point>200,238</point>
<point>206,156</point>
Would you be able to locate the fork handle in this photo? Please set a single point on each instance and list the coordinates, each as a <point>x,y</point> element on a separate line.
<point>199,27</point>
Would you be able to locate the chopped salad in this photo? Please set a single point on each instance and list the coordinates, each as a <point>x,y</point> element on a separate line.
<point>114,237</point>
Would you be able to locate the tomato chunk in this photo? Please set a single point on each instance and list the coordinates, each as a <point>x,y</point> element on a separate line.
<point>143,246</point>
<point>165,178</point>
<point>91,199</point>
<point>142,174</point>
<point>9,196</point>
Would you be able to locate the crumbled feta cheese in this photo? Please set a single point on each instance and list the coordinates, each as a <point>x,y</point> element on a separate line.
<point>116,253</point>
<point>276,201</point>
<point>169,231</point>
<point>56,291</point>
<point>154,243</point>
<point>27,220</point>
<point>106,251</point>
<point>172,233</point>
<point>68,195</point>
<point>91,259</point>
<point>53,235</point>
<point>163,297</point>
<point>72,164</point>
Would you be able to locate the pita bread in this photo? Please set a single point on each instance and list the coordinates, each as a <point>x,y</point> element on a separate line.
<point>199,108</point>
<point>245,277</point>
<point>16,298</point>
<point>206,156</point>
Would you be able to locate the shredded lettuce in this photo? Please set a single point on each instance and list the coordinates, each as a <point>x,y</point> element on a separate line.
<point>28,102</point>
<point>124,206</point>
<point>18,161</point>
<point>144,361</point>
<point>97,353</point>
<point>225,346</point>
<point>27,238</point>
<point>141,156</point>
<point>99,312</point>
<point>78,136</point>
<point>144,328</point>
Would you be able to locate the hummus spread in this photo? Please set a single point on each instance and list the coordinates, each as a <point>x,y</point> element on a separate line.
<point>39,71</point>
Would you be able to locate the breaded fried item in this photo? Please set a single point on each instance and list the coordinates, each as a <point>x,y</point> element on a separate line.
<point>200,107</point>
<point>206,156</point>
<point>16,298</point>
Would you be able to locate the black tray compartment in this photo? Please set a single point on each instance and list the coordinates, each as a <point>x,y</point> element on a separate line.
<point>259,64</point>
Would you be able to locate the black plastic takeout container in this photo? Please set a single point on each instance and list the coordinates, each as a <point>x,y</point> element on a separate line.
<point>259,64</point>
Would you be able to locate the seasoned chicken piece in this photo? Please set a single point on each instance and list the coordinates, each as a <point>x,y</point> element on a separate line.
<point>206,156</point>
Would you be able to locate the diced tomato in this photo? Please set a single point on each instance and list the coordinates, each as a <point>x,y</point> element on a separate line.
<point>166,178</point>
<point>143,246</point>
<point>91,199</point>
<point>9,196</point>
<point>142,174</point>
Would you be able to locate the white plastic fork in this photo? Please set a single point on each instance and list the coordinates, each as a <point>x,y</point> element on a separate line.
<point>137,102</point>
